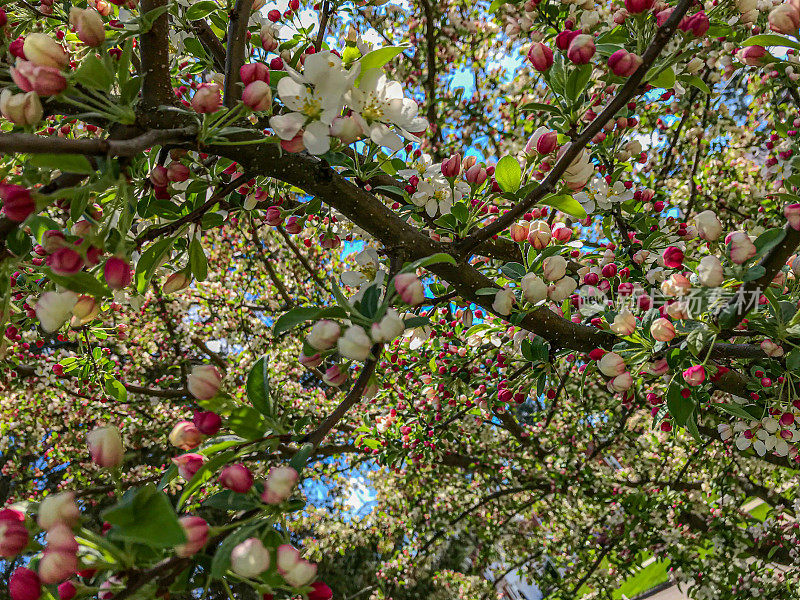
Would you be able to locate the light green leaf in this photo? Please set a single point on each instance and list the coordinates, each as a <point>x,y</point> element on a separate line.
<point>149,261</point>
<point>258,388</point>
<point>377,58</point>
<point>433,259</point>
<point>82,282</point>
<point>296,316</point>
<point>566,204</point>
<point>664,79</point>
<point>66,163</point>
<point>508,174</point>
<point>200,10</point>
<point>771,39</point>
<point>197,260</point>
<point>145,516</point>
<point>92,73</point>
<point>695,81</point>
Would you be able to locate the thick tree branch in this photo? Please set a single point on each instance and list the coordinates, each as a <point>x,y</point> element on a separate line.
<point>37,144</point>
<point>234,58</point>
<point>154,51</point>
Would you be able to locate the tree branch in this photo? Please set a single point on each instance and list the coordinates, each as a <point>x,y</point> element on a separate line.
<point>154,51</point>
<point>37,144</point>
<point>234,59</point>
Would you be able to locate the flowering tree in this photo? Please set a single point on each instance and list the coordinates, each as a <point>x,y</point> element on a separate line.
<point>562,336</point>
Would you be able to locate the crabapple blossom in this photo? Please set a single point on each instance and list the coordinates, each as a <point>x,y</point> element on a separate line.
<point>13,536</point>
<point>695,375</point>
<point>237,478</point>
<point>21,109</point>
<point>611,364</point>
<point>534,289</point>
<point>623,63</point>
<point>540,56</point>
<point>44,51</point>
<point>503,301</point>
<point>539,234</point>
<point>250,558</point>
<point>409,288</point>
<point>105,446</point>
<point>740,247</point>
<point>708,225</point>
<point>58,509</point>
<point>188,464</point>
<point>204,382</point>
<point>24,584</point>
<point>581,49</point>
<point>710,271</point>
<point>54,308</point>
<point>295,570</point>
<point>355,344</point>
<point>389,328</point>
<point>554,267</point>
<point>279,484</point>
<point>662,330</point>
<point>196,531</point>
<point>792,214</point>
<point>185,435</point>
<point>323,335</point>
<point>88,25</point>
<point>334,376</point>
<point>624,323</point>
<point>771,349</point>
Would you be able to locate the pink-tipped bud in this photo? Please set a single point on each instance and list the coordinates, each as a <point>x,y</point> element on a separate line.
<point>188,464</point>
<point>254,72</point>
<point>792,214</point>
<point>204,382</point>
<point>250,558</point>
<point>662,330</point>
<point>65,261</point>
<point>13,534</point>
<point>196,531</point>
<point>279,484</point>
<point>58,509</point>
<point>638,6</point>
<point>334,376</point>
<point>311,362</point>
<point>519,232</point>
<point>185,435</point>
<point>753,56</point>
<point>257,96</point>
<point>452,166</point>
<point>177,172</point>
<point>581,49</point>
<point>17,202</point>
<point>117,273</point>
<point>476,175</point>
<point>623,63</point>
<point>695,375</point>
<point>208,422</point>
<point>24,584</point>
<point>207,98</point>
<point>784,18</point>
<point>673,257</point>
<point>409,288</point>
<point>237,478</point>
<point>176,282</point>
<point>324,335</point>
<point>105,446</point>
<point>540,56</point>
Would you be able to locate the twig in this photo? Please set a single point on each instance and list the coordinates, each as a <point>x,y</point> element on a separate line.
<point>37,144</point>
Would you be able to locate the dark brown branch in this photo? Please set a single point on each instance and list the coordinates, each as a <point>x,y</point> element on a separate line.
<point>234,59</point>
<point>627,91</point>
<point>430,79</point>
<point>211,43</point>
<point>37,144</point>
<point>353,396</point>
<point>154,51</point>
<point>323,24</point>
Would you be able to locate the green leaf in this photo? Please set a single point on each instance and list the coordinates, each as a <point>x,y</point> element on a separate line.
<point>793,361</point>
<point>306,313</point>
<point>116,390</point>
<point>768,240</point>
<point>496,4</point>
<point>513,270</point>
<point>698,339</point>
<point>82,282</point>
<point>691,427</point>
<point>377,58</point>
<point>665,79</point>
<point>508,174</point>
<point>754,273</point>
<point>66,163</point>
<point>695,81</point>
<point>247,423</point>
<point>145,516</point>
<point>538,106</point>
<point>577,81</point>
<point>566,204</point>
<point>200,10</point>
<point>771,39</point>
<point>416,322</point>
<point>300,458</point>
<point>197,260</point>
<point>736,410</point>
<point>258,389</point>
<point>679,407</point>
<point>149,262</point>
<point>440,257</point>
<point>230,500</point>
<point>18,242</point>
<point>93,74</point>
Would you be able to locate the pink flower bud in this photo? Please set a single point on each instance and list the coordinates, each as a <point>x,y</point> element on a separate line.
<point>16,48</point>
<point>673,257</point>
<point>158,176</point>
<point>254,72</point>
<point>784,18</point>
<point>410,289</point>
<point>177,172</point>
<point>624,323</point>
<point>296,571</point>
<point>21,109</point>
<point>554,267</point>
<point>334,376</point>
<point>67,590</point>
<point>708,225</point>
<point>44,51</point>
<point>56,566</point>
<point>623,63</point>
<point>24,584</point>
<point>105,446</point>
<point>740,247</point>
<point>17,202</point>
<point>268,38</point>
<point>207,98</point>
<point>185,435</point>
<point>294,225</point>
<point>323,335</point>
<point>771,349</point>
<point>611,364</point>
<point>88,26</point>
<point>562,233</point>
<point>52,240</point>
<point>540,56</point>
<point>310,362</point>
<point>621,382</point>
<point>176,282</point>
<point>662,330</point>
<point>753,56</point>
<point>58,509</point>
<point>45,81</point>
<point>237,478</point>
<point>273,216</point>
<point>695,375</point>
<point>581,49</point>
<point>207,422</point>
<point>196,531</point>
<point>188,464</point>
<point>13,534</point>
<point>65,261</point>
<point>503,302</point>
<point>452,166</point>
<point>539,234</point>
<point>54,308</point>
<point>320,591</point>
<point>710,271</point>
<point>257,96</point>
<point>659,367</point>
<point>792,214</point>
<point>697,24</point>
<point>250,558</point>
<point>476,175</point>
<point>60,538</point>
<point>635,7</point>
<point>676,285</point>
<point>564,38</point>
<point>204,382</point>
<point>662,16</point>
<point>117,273</point>
<point>279,484</point>
<point>519,232</point>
